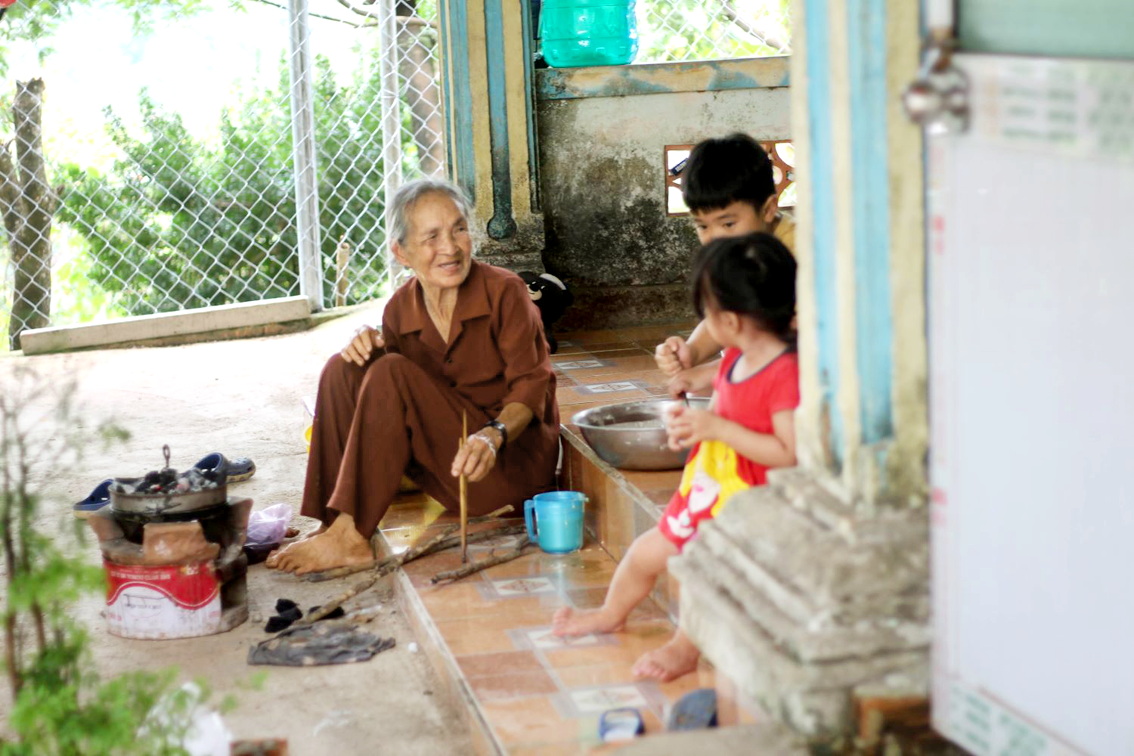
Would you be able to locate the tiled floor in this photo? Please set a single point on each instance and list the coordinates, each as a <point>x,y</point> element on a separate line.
<point>605,367</point>
<point>538,693</point>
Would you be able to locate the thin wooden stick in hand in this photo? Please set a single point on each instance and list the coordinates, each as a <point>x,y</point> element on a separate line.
<point>464,494</point>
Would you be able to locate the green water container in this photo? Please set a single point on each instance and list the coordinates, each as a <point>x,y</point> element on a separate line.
<point>588,32</point>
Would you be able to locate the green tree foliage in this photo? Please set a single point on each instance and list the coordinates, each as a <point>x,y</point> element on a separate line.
<point>179,223</point>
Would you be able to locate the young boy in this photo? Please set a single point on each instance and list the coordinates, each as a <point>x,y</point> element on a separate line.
<point>729,189</point>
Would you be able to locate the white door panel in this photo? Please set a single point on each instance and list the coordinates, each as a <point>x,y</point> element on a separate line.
<point>1032,409</point>
<point>1078,29</point>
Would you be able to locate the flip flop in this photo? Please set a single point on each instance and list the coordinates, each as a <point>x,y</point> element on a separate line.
<point>97,499</point>
<point>235,470</point>
<point>695,710</point>
<point>620,724</point>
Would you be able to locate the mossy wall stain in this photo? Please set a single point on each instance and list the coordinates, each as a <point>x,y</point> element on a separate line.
<point>607,232</point>
<point>613,241</point>
<point>602,196</point>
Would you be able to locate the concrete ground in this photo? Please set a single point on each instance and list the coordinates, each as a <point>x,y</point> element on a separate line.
<point>243,398</point>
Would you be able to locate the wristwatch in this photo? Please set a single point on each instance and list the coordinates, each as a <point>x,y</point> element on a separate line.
<point>503,429</point>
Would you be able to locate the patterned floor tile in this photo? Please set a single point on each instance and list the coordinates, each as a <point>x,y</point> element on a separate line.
<point>540,638</point>
<point>595,700</point>
<point>523,586</point>
<point>611,387</point>
<point>581,363</point>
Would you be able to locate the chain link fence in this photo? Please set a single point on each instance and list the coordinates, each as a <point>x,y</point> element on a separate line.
<point>163,177</point>
<point>180,192</point>
<point>681,30</point>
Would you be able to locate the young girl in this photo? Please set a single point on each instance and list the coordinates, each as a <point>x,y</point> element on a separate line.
<point>744,288</point>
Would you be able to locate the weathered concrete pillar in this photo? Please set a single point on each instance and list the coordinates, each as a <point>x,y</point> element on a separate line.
<point>862,423</point>
<point>813,590</point>
<point>489,134</point>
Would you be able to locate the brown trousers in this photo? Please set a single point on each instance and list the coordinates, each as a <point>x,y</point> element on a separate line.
<point>374,423</point>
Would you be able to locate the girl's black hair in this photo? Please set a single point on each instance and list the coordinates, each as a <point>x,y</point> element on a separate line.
<point>751,275</point>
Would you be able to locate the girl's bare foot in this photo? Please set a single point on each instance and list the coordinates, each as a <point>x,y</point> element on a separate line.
<point>569,622</point>
<point>671,661</point>
<point>337,546</point>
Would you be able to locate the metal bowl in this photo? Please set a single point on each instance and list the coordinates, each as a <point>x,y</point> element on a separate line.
<point>632,436</point>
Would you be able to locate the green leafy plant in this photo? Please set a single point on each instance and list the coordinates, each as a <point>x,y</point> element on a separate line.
<point>60,705</point>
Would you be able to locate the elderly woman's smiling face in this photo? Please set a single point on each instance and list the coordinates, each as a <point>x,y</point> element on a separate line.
<point>438,247</point>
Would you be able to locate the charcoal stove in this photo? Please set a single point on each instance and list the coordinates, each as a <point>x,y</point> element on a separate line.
<point>172,545</point>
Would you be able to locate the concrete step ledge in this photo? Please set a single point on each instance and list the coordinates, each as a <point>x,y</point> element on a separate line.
<point>766,739</point>
<point>456,689</point>
<point>172,327</point>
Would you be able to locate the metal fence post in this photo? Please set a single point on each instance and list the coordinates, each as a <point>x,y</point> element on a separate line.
<point>390,105</point>
<point>303,151</point>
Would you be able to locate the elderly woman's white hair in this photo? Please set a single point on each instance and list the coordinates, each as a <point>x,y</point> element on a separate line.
<point>401,206</point>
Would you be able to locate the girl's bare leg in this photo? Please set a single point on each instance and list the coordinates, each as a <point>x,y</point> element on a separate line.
<point>633,581</point>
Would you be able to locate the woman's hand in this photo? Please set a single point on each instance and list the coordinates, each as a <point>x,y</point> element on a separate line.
<point>686,426</point>
<point>361,347</point>
<point>475,458</point>
<point>673,355</point>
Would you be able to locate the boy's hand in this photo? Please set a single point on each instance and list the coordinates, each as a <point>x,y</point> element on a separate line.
<point>686,427</point>
<point>361,347</point>
<point>673,355</point>
<point>697,380</point>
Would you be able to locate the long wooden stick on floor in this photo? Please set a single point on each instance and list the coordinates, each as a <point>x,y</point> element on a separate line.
<point>464,494</point>
<point>443,540</point>
<point>483,564</point>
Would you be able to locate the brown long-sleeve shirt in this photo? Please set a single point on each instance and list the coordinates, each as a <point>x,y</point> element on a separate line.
<point>497,353</point>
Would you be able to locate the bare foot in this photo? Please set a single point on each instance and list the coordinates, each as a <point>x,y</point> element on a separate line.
<point>337,546</point>
<point>568,622</point>
<point>301,536</point>
<point>671,661</point>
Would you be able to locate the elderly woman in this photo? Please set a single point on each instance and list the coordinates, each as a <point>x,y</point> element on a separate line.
<point>461,338</point>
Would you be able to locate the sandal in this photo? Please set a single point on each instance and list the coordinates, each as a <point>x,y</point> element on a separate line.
<point>97,499</point>
<point>695,710</point>
<point>234,470</point>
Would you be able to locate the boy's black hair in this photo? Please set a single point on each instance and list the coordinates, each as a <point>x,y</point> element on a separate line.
<point>751,275</point>
<point>722,171</point>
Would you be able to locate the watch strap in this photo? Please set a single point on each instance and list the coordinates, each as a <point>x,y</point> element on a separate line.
<point>500,427</point>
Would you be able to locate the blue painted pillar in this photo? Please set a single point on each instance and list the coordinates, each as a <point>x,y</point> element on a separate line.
<point>820,181</point>
<point>487,54</point>
<point>861,248</point>
<point>870,191</point>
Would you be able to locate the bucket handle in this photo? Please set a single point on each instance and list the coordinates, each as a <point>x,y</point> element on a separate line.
<point>529,520</point>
